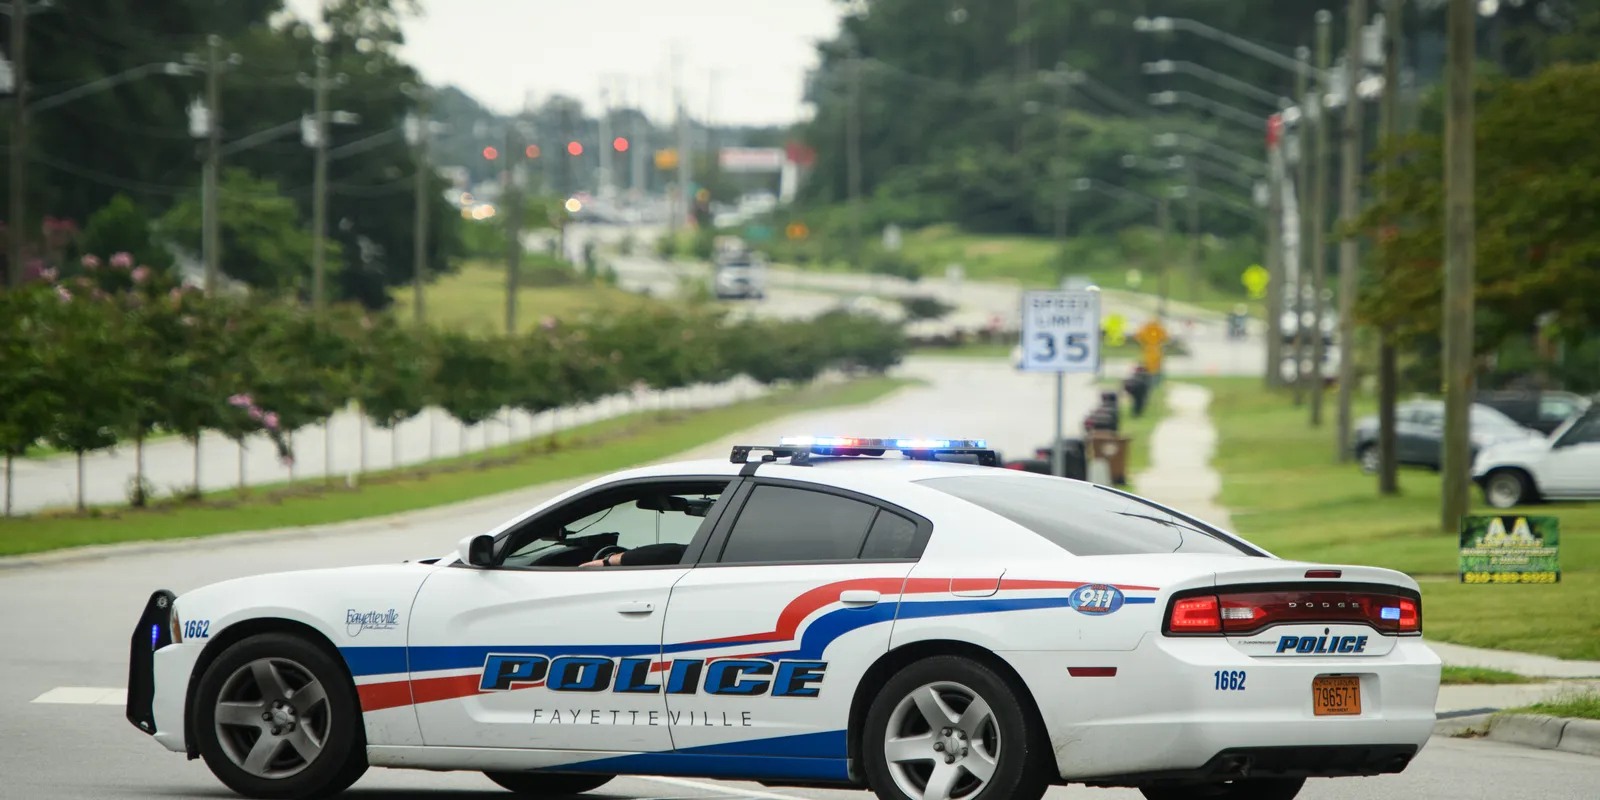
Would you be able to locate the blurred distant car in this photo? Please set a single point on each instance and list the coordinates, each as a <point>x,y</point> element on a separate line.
<point>1540,410</point>
<point>1419,434</point>
<point>740,276</point>
<point>1564,466</point>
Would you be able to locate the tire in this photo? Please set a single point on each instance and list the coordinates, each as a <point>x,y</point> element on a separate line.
<point>1251,789</point>
<point>1369,459</point>
<point>1507,488</point>
<point>547,784</point>
<point>1007,742</point>
<point>292,727</point>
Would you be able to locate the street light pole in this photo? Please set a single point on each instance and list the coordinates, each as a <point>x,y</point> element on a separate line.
<point>210,241</point>
<point>1459,263</point>
<point>1388,367</point>
<point>511,203</point>
<point>1311,116</point>
<point>419,235</point>
<point>1349,209</point>
<point>1319,218</point>
<point>19,138</point>
<point>1275,266</point>
<point>1194,232</point>
<point>319,196</point>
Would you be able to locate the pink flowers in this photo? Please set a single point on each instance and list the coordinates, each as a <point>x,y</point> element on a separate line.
<point>241,401</point>
<point>270,420</point>
<point>548,323</point>
<point>122,260</point>
<point>141,274</point>
<point>61,292</point>
<point>91,261</point>
<point>255,413</point>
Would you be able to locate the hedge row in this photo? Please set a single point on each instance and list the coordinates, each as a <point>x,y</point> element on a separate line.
<point>119,352</point>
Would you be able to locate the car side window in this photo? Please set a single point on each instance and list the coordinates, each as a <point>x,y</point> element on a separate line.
<point>1586,431</point>
<point>1555,409</point>
<point>782,524</point>
<point>892,537</point>
<point>628,517</point>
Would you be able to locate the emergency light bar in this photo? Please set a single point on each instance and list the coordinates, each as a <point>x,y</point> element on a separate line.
<point>800,448</point>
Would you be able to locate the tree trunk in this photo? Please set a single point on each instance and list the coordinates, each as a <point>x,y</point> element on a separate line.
<point>195,442</point>
<point>10,461</point>
<point>139,498</point>
<point>80,481</point>
<point>241,465</point>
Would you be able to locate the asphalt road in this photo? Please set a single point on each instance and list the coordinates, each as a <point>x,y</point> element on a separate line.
<point>67,624</point>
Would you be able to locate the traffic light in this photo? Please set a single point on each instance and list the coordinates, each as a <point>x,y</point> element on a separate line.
<point>621,144</point>
<point>575,148</point>
<point>490,153</point>
<point>532,151</point>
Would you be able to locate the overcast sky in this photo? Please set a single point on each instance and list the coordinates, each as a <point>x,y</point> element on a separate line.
<point>500,51</point>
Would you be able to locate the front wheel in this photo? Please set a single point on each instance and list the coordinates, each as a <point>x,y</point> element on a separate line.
<point>1368,458</point>
<point>1249,789</point>
<point>949,727</point>
<point>277,717</point>
<point>1507,488</point>
<point>547,784</point>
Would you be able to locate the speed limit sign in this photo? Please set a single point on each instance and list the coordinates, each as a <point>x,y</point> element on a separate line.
<point>1061,331</point>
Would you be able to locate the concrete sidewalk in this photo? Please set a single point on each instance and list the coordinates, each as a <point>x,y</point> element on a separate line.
<point>1181,476</point>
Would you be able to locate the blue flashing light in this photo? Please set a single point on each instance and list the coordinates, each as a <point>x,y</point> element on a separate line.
<point>1389,613</point>
<point>155,635</point>
<point>888,444</point>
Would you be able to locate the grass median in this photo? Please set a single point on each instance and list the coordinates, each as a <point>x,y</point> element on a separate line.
<point>1287,493</point>
<point>591,449</point>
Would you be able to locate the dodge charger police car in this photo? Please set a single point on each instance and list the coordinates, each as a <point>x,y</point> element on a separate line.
<point>810,613</point>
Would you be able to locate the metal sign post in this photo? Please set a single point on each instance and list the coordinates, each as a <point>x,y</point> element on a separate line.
<point>1061,334</point>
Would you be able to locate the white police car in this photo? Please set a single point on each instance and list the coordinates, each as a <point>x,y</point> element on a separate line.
<point>828,617</point>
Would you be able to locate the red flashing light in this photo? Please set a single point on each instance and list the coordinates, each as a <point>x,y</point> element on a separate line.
<point>621,144</point>
<point>1196,615</point>
<point>1410,617</point>
<point>532,151</point>
<point>490,153</point>
<point>575,148</point>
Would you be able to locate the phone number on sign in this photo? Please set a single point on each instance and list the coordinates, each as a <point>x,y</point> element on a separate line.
<point>1510,577</point>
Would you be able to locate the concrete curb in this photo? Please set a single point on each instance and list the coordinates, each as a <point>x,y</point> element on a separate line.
<point>1468,724</point>
<point>1581,736</point>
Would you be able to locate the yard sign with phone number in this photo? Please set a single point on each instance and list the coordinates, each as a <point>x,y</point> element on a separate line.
<point>1061,331</point>
<point>1505,549</point>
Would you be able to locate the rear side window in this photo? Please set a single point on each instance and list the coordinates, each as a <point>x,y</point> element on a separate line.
<point>1084,519</point>
<point>785,525</point>
<point>892,537</point>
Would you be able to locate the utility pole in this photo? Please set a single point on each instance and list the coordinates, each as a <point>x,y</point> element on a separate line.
<point>1164,222</point>
<point>853,154</point>
<point>511,202</point>
<point>210,241</point>
<point>1024,65</point>
<point>1194,231</point>
<point>1349,209</point>
<point>1459,262</point>
<point>18,223</point>
<point>637,149</point>
<point>1064,200</point>
<point>1310,116</point>
<point>685,161</point>
<point>419,215</point>
<point>1319,219</point>
<point>319,197</point>
<point>604,122</point>
<point>1275,267</point>
<point>1388,367</point>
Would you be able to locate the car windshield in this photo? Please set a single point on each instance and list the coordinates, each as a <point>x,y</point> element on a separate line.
<point>1085,519</point>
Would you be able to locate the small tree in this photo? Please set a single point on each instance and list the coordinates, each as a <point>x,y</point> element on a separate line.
<point>28,396</point>
<point>89,364</point>
<point>121,227</point>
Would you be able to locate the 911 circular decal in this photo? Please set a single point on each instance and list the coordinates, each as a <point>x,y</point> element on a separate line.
<point>1096,599</point>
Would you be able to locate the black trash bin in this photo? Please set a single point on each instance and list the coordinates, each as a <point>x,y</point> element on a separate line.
<point>1073,458</point>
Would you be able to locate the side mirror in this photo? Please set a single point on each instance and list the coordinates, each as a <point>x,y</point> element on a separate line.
<point>477,550</point>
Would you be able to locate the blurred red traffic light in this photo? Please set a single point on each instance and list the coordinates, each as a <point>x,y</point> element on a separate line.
<point>575,149</point>
<point>491,153</point>
<point>532,151</point>
<point>621,144</point>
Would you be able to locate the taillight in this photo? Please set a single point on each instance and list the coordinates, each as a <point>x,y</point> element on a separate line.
<point>1410,617</point>
<point>1195,615</point>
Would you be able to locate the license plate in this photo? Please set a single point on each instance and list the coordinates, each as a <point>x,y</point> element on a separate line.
<point>1336,695</point>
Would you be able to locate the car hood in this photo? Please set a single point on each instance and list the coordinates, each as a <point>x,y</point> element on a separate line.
<point>1516,450</point>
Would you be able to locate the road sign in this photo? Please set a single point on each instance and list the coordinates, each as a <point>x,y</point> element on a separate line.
<point>1116,330</point>
<point>666,159</point>
<point>1061,331</point>
<point>1256,279</point>
<point>1152,336</point>
<point>797,231</point>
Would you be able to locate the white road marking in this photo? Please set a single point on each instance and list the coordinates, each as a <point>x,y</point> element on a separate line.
<point>725,790</point>
<point>84,696</point>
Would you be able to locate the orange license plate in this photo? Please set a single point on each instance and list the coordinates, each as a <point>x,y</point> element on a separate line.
<point>1336,695</point>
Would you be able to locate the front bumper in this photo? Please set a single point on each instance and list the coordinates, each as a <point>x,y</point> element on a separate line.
<point>158,674</point>
<point>1161,716</point>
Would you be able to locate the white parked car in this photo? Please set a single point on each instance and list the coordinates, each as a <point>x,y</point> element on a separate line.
<point>1563,466</point>
<point>806,614</point>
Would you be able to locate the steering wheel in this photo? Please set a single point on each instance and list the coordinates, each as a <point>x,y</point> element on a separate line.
<point>606,552</point>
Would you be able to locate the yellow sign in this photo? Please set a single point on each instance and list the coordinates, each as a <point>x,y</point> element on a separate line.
<point>1256,280</point>
<point>797,230</point>
<point>1116,330</point>
<point>667,159</point>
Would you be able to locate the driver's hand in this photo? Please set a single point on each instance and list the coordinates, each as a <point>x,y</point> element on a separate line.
<point>612,560</point>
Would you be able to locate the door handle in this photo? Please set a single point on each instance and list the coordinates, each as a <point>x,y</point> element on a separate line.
<point>636,607</point>
<point>860,597</point>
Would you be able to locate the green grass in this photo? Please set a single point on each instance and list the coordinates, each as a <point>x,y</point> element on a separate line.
<point>1479,675</point>
<point>474,299</point>
<point>1140,429</point>
<point>592,449</point>
<point>972,350</point>
<point>1286,493</point>
<point>1582,705</point>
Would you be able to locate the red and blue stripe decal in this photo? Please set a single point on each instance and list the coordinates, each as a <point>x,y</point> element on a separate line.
<point>784,641</point>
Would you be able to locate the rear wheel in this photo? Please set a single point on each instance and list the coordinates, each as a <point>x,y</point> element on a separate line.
<point>1250,789</point>
<point>1507,488</point>
<point>547,784</point>
<point>1367,457</point>
<point>949,728</point>
<point>277,717</point>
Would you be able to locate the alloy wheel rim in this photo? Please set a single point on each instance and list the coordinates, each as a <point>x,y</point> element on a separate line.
<point>273,718</point>
<point>942,742</point>
<point>1369,459</point>
<point>1504,491</point>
